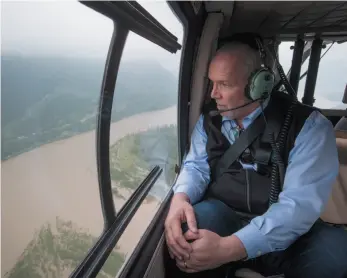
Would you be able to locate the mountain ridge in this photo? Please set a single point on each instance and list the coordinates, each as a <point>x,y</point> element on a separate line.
<point>47,99</point>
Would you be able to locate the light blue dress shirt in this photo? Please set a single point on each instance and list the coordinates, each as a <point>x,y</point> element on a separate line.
<point>312,169</point>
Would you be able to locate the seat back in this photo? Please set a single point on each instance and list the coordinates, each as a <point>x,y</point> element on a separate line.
<point>335,211</point>
<point>342,124</point>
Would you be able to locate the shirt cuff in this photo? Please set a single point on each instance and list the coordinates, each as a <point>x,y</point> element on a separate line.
<point>185,189</point>
<point>254,241</point>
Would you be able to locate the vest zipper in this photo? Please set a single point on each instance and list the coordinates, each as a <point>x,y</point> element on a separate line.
<point>248,192</point>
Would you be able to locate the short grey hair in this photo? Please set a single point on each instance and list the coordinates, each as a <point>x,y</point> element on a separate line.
<point>250,57</point>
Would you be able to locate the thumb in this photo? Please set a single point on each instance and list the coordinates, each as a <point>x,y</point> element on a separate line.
<point>189,235</point>
<point>191,221</point>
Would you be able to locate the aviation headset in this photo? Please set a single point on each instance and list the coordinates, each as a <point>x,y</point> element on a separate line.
<point>262,80</point>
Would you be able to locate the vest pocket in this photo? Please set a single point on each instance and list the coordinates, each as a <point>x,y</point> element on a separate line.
<point>231,188</point>
<point>243,190</point>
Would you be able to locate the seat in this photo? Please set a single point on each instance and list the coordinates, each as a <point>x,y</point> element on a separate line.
<point>341,124</point>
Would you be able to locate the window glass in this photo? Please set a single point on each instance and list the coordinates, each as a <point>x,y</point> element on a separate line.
<point>285,55</point>
<point>144,115</point>
<point>331,78</point>
<point>144,128</point>
<point>53,57</point>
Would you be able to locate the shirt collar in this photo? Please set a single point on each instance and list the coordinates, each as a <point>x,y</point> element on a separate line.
<point>250,117</point>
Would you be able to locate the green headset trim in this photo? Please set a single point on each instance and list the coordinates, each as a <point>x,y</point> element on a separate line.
<point>262,80</point>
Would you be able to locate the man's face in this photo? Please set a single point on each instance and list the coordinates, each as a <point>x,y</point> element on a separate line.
<point>227,72</point>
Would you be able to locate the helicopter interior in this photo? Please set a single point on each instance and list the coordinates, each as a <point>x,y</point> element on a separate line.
<point>99,101</point>
<point>309,25</point>
<point>316,23</point>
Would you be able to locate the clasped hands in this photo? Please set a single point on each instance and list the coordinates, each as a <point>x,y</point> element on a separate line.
<point>201,254</point>
<point>197,249</point>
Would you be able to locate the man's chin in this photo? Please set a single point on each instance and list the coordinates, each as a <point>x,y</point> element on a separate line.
<point>229,114</point>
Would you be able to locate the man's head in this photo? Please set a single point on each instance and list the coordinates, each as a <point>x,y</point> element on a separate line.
<point>229,72</point>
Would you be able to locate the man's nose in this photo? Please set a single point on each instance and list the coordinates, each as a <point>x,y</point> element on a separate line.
<point>214,91</point>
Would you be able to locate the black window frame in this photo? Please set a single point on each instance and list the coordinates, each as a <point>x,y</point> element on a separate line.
<point>127,16</point>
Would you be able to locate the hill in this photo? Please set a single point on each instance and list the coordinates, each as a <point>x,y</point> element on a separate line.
<point>51,98</point>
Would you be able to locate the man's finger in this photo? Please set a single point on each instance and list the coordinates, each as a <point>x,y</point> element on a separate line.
<point>189,235</point>
<point>189,270</point>
<point>191,220</point>
<point>172,256</point>
<point>185,267</point>
<point>183,247</point>
<point>180,264</point>
<point>171,243</point>
<point>194,263</point>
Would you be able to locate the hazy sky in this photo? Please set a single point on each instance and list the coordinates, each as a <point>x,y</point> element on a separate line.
<point>69,28</point>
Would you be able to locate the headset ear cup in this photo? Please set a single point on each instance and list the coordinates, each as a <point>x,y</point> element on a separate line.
<point>248,88</point>
<point>261,84</point>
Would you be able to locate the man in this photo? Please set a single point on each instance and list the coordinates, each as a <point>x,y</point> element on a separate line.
<point>204,229</point>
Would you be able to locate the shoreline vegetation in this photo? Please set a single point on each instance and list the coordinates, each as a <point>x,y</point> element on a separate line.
<point>133,156</point>
<point>58,247</point>
<point>56,250</point>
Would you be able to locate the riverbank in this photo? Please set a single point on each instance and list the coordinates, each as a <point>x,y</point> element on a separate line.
<point>60,180</point>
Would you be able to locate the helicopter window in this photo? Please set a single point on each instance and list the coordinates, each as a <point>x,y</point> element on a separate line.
<point>53,57</point>
<point>144,118</point>
<point>143,130</point>
<point>331,78</point>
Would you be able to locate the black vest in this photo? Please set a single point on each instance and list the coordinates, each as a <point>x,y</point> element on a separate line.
<point>247,191</point>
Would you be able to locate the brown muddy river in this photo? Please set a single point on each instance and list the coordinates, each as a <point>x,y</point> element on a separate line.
<point>60,179</point>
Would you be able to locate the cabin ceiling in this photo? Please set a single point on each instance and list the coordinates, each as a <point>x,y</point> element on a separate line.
<point>283,19</point>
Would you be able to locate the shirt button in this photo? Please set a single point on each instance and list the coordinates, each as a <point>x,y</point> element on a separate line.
<point>259,253</point>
